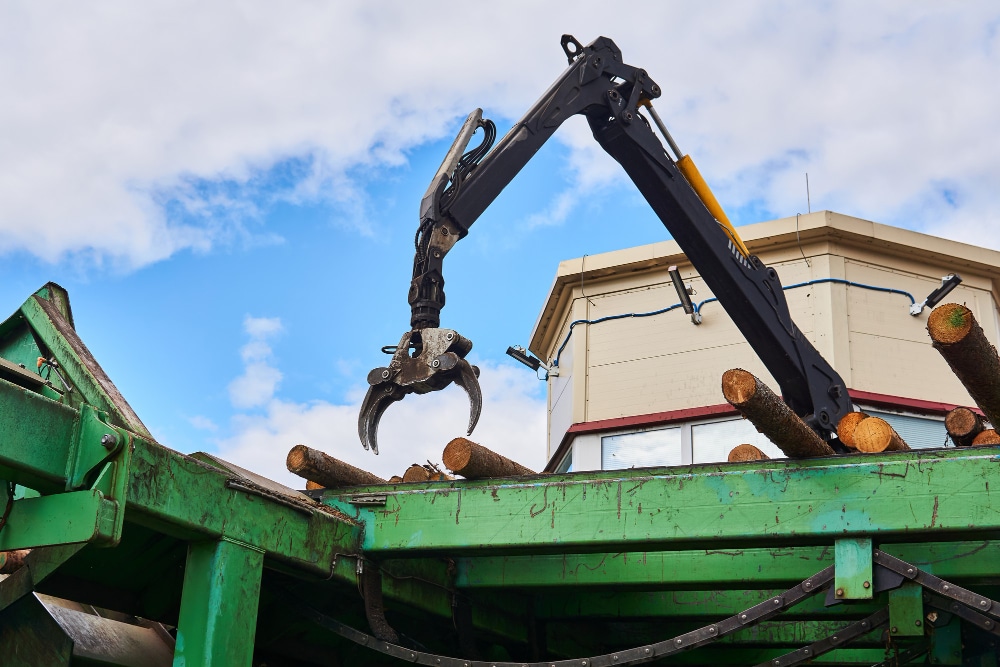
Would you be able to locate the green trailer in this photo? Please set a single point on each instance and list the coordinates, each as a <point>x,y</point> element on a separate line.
<point>119,551</point>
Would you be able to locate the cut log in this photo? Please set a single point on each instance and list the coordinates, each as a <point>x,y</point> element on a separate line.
<point>416,473</point>
<point>986,437</point>
<point>746,452</point>
<point>11,561</point>
<point>876,435</point>
<point>769,414</point>
<point>395,479</point>
<point>958,337</point>
<point>846,426</point>
<point>330,473</point>
<point>963,425</point>
<point>473,461</point>
<point>312,486</point>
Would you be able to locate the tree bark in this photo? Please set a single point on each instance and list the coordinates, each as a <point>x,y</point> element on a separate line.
<point>11,561</point>
<point>769,414</point>
<point>845,429</point>
<point>876,435</point>
<point>747,452</point>
<point>473,461</point>
<point>330,473</point>
<point>963,425</point>
<point>958,337</point>
<point>987,437</point>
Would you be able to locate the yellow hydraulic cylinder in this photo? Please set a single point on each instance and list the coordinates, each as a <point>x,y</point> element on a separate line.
<point>687,167</point>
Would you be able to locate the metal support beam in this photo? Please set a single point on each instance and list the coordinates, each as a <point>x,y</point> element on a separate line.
<point>854,569</point>
<point>937,494</point>
<point>906,610</point>
<point>218,618</point>
<point>948,560</point>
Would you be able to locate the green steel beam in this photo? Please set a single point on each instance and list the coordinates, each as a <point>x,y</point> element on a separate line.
<point>36,438</point>
<point>218,617</point>
<point>62,518</point>
<point>47,313</point>
<point>906,610</point>
<point>934,494</point>
<point>854,569</point>
<point>189,499</point>
<point>712,604</point>
<point>756,567</point>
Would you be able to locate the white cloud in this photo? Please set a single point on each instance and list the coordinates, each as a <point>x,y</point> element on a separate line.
<point>413,430</point>
<point>257,384</point>
<point>111,111</point>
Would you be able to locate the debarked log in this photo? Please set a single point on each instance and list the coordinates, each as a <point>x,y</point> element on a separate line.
<point>958,337</point>
<point>746,452</point>
<point>876,435</point>
<point>473,461</point>
<point>771,416</point>
<point>987,437</point>
<point>846,426</point>
<point>330,473</point>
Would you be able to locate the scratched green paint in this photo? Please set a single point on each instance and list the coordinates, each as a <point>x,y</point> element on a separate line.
<point>934,494</point>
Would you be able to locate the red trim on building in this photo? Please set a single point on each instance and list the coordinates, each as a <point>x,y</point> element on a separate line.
<point>689,414</point>
<point>903,403</point>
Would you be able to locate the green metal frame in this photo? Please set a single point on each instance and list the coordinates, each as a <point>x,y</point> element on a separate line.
<point>553,566</point>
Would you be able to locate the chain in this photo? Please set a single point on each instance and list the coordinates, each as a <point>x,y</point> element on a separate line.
<point>941,595</point>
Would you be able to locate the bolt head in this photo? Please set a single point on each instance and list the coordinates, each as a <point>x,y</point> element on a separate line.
<point>867,584</point>
<point>894,629</point>
<point>385,374</point>
<point>840,592</point>
<point>983,603</point>
<point>917,623</point>
<point>108,441</point>
<point>947,587</point>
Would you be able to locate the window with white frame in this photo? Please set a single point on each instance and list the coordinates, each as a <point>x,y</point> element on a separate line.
<point>710,440</point>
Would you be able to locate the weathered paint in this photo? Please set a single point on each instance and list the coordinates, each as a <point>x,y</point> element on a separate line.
<point>218,617</point>
<point>934,494</point>
<point>906,611</point>
<point>854,578</point>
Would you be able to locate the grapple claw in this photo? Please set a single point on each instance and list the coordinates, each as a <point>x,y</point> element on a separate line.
<point>437,360</point>
<point>468,379</point>
<point>379,397</point>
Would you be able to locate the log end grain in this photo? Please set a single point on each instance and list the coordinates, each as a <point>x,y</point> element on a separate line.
<point>949,323</point>
<point>738,386</point>
<point>395,479</point>
<point>416,473</point>
<point>876,435</point>
<point>986,438</point>
<point>457,454</point>
<point>963,425</point>
<point>746,452</point>
<point>313,486</point>
<point>297,458</point>
<point>846,426</point>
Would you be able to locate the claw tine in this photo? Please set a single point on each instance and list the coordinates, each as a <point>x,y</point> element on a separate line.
<point>467,379</point>
<point>378,398</point>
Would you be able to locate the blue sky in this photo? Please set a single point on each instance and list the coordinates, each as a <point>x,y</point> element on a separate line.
<point>229,193</point>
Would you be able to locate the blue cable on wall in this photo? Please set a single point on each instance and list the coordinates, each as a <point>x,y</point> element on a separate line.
<point>698,306</point>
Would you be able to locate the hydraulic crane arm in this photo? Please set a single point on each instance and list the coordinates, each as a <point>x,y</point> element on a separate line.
<point>611,95</point>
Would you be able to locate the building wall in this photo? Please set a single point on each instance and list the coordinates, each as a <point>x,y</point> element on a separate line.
<point>644,365</point>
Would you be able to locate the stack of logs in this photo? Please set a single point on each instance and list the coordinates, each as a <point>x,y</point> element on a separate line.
<point>954,333</point>
<point>463,457</point>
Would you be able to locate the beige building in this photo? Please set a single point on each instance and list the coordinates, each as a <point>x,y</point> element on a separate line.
<point>643,387</point>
